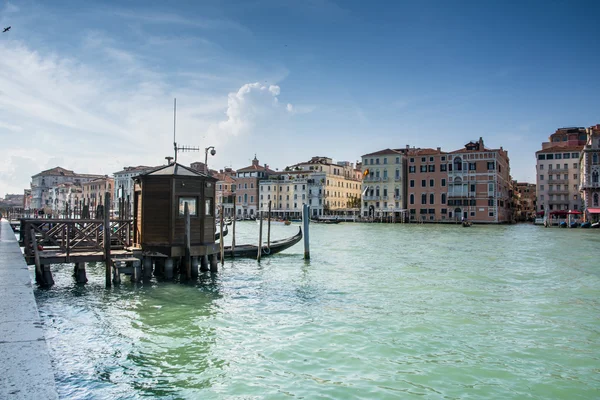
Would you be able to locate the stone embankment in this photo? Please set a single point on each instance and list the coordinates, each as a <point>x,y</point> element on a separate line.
<point>25,368</point>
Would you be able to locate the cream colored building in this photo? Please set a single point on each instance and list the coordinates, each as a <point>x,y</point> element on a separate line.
<point>92,192</point>
<point>331,188</point>
<point>383,186</point>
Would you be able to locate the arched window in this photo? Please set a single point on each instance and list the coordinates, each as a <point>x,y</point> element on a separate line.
<point>443,198</point>
<point>594,159</point>
<point>596,199</point>
<point>424,198</point>
<point>457,181</point>
<point>377,191</point>
<point>595,177</point>
<point>457,164</point>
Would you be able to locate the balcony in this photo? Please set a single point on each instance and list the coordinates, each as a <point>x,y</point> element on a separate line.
<point>558,171</point>
<point>557,181</point>
<point>558,191</point>
<point>558,202</point>
<point>397,179</point>
<point>371,198</point>
<point>589,185</point>
<point>372,179</point>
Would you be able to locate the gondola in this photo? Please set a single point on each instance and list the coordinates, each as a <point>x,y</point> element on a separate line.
<point>250,250</point>
<point>467,224</point>
<point>325,221</point>
<point>218,234</point>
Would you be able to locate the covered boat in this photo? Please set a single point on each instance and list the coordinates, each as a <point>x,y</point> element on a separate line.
<point>251,250</point>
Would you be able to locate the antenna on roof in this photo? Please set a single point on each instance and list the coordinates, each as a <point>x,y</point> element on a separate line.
<point>174,125</point>
<point>175,148</point>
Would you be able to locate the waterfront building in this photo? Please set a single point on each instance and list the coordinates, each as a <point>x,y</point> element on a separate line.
<point>558,171</point>
<point>525,205</point>
<point>383,186</point>
<point>332,188</point>
<point>589,183</point>
<point>92,193</point>
<point>43,181</point>
<point>427,185</point>
<point>246,188</point>
<point>123,185</point>
<point>288,192</point>
<point>225,191</point>
<point>479,184</point>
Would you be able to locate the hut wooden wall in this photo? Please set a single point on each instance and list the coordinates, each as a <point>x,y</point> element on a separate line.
<point>202,227</point>
<point>156,206</point>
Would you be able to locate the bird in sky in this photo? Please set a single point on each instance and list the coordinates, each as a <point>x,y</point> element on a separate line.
<point>6,29</point>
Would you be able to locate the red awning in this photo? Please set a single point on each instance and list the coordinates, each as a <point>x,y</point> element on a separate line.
<point>540,213</point>
<point>593,210</point>
<point>558,212</point>
<point>576,212</point>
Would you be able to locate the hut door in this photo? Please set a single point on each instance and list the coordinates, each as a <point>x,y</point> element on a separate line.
<point>137,219</point>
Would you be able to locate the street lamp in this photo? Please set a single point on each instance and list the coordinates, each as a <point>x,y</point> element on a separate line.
<point>212,153</point>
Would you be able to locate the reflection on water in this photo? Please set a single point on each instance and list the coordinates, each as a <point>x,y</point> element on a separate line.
<point>379,312</point>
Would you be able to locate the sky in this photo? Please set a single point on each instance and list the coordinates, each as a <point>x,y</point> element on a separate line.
<point>90,86</point>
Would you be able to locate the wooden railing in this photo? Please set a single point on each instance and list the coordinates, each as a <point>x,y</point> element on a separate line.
<point>74,235</point>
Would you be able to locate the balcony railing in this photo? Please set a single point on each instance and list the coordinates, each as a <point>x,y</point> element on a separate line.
<point>370,198</point>
<point>558,191</point>
<point>589,185</point>
<point>557,181</point>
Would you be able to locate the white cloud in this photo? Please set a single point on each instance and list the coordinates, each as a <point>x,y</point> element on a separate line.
<point>251,104</point>
<point>11,8</point>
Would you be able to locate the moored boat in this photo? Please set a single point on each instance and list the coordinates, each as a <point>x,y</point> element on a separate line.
<point>586,225</point>
<point>275,221</point>
<point>251,250</point>
<point>218,234</point>
<point>467,224</point>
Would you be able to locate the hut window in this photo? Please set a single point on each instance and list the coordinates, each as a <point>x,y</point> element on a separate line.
<point>208,207</point>
<point>191,202</point>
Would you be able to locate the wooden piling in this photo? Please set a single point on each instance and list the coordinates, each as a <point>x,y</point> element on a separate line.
<point>188,256</point>
<point>259,236</point>
<point>38,265</point>
<point>108,261</point>
<point>233,233</point>
<point>305,222</point>
<point>269,227</point>
<point>221,240</point>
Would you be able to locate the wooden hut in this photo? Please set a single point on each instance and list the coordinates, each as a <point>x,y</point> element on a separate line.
<point>159,218</point>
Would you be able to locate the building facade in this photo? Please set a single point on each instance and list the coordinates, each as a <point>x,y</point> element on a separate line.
<point>479,184</point>
<point>42,183</point>
<point>383,186</point>
<point>427,185</point>
<point>332,188</point>
<point>92,192</point>
<point>589,184</point>
<point>558,171</point>
<point>526,205</point>
<point>123,185</point>
<point>225,191</point>
<point>246,188</point>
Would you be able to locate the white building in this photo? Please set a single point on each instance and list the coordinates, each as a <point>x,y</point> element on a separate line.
<point>288,192</point>
<point>557,171</point>
<point>42,182</point>
<point>123,186</point>
<point>383,186</point>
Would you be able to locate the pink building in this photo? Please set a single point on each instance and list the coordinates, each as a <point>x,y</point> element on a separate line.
<point>479,184</point>
<point>427,183</point>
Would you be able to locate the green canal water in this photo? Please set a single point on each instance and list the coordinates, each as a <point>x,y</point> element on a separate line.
<point>379,312</point>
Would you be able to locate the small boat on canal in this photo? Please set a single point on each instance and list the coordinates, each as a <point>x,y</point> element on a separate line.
<point>467,224</point>
<point>251,251</point>
<point>275,222</point>
<point>218,234</point>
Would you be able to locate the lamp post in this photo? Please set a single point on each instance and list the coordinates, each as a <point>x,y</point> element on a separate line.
<point>212,153</point>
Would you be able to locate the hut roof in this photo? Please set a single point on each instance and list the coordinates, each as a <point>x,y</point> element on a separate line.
<point>178,170</point>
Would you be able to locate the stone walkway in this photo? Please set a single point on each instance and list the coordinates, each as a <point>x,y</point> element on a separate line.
<point>25,369</point>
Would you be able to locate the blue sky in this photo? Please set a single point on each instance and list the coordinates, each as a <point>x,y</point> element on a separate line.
<point>90,85</point>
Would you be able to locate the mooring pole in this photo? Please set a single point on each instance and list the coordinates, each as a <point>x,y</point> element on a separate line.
<point>107,259</point>
<point>259,236</point>
<point>305,222</point>
<point>221,241</point>
<point>269,228</point>
<point>188,257</point>
<point>233,234</point>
